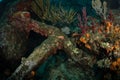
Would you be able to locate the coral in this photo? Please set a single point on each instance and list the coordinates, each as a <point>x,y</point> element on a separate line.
<point>100,39</point>
<point>103,41</point>
<point>83,21</point>
<point>100,8</point>
<point>108,33</point>
<point>56,15</point>
<point>115,65</point>
<point>41,8</point>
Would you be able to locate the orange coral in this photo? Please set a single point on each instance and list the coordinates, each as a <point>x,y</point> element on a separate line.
<point>110,49</point>
<point>115,65</point>
<point>88,46</point>
<point>61,37</point>
<point>118,60</point>
<point>82,39</point>
<point>87,35</point>
<point>33,73</point>
<point>99,30</point>
<point>109,24</point>
<point>117,29</point>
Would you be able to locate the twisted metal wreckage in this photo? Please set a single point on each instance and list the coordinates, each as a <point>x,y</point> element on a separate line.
<point>21,21</point>
<point>55,40</point>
